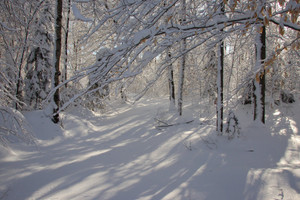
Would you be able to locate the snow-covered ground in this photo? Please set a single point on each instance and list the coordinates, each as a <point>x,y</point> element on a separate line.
<point>122,155</point>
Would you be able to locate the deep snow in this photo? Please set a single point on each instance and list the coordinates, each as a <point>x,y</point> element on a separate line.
<point>122,155</point>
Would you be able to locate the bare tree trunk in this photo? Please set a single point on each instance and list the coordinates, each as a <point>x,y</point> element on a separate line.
<point>220,77</point>
<point>182,65</point>
<point>18,86</point>
<point>171,82</point>
<point>220,103</point>
<point>66,43</point>
<point>57,54</point>
<point>259,85</point>
<point>75,46</point>
<point>263,76</point>
<point>172,105</point>
<point>19,95</point>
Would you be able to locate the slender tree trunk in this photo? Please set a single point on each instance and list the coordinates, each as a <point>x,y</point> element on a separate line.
<point>172,105</point>
<point>259,85</point>
<point>182,65</point>
<point>171,83</point>
<point>18,86</point>
<point>66,43</point>
<point>76,54</point>
<point>263,77</point>
<point>22,58</point>
<point>20,68</point>
<point>220,103</point>
<point>220,77</point>
<point>57,54</point>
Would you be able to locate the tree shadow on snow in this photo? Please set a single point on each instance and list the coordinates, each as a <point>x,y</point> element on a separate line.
<point>125,157</point>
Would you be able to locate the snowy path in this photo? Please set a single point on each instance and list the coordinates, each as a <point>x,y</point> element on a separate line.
<point>122,156</point>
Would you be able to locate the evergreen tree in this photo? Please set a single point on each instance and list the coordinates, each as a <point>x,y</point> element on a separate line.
<point>38,68</point>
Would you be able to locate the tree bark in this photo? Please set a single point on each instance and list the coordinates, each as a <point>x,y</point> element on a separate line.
<point>19,80</point>
<point>19,95</point>
<point>57,54</point>
<point>220,79</point>
<point>260,82</point>
<point>171,83</point>
<point>66,43</point>
<point>182,65</point>
<point>172,105</point>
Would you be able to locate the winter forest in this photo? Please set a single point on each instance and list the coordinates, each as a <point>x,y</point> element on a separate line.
<point>149,99</point>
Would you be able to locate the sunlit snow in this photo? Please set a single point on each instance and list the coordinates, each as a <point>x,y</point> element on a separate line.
<point>123,155</point>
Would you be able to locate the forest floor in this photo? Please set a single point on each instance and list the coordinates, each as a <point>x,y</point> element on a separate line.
<point>124,154</point>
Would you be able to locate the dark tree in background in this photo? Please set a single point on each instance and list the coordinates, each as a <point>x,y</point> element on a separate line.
<point>220,78</point>
<point>183,60</point>
<point>57,53</point>
<point>39,63</point>
<point>66,41</point>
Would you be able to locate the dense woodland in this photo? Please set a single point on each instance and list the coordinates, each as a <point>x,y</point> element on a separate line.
<point>56,54</point>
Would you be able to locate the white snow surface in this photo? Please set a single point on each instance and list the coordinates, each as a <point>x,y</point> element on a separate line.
<point>78,14</point>
<point>122,155</point>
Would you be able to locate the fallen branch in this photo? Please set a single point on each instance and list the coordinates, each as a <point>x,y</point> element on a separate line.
<point>165,125</point>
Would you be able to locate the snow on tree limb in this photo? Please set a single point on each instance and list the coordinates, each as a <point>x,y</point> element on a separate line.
<point>139,35</point>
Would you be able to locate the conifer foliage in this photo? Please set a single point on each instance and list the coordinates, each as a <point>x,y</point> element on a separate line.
<point>39,63</point>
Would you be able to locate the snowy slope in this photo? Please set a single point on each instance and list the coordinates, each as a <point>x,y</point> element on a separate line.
<point>122,155</point>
